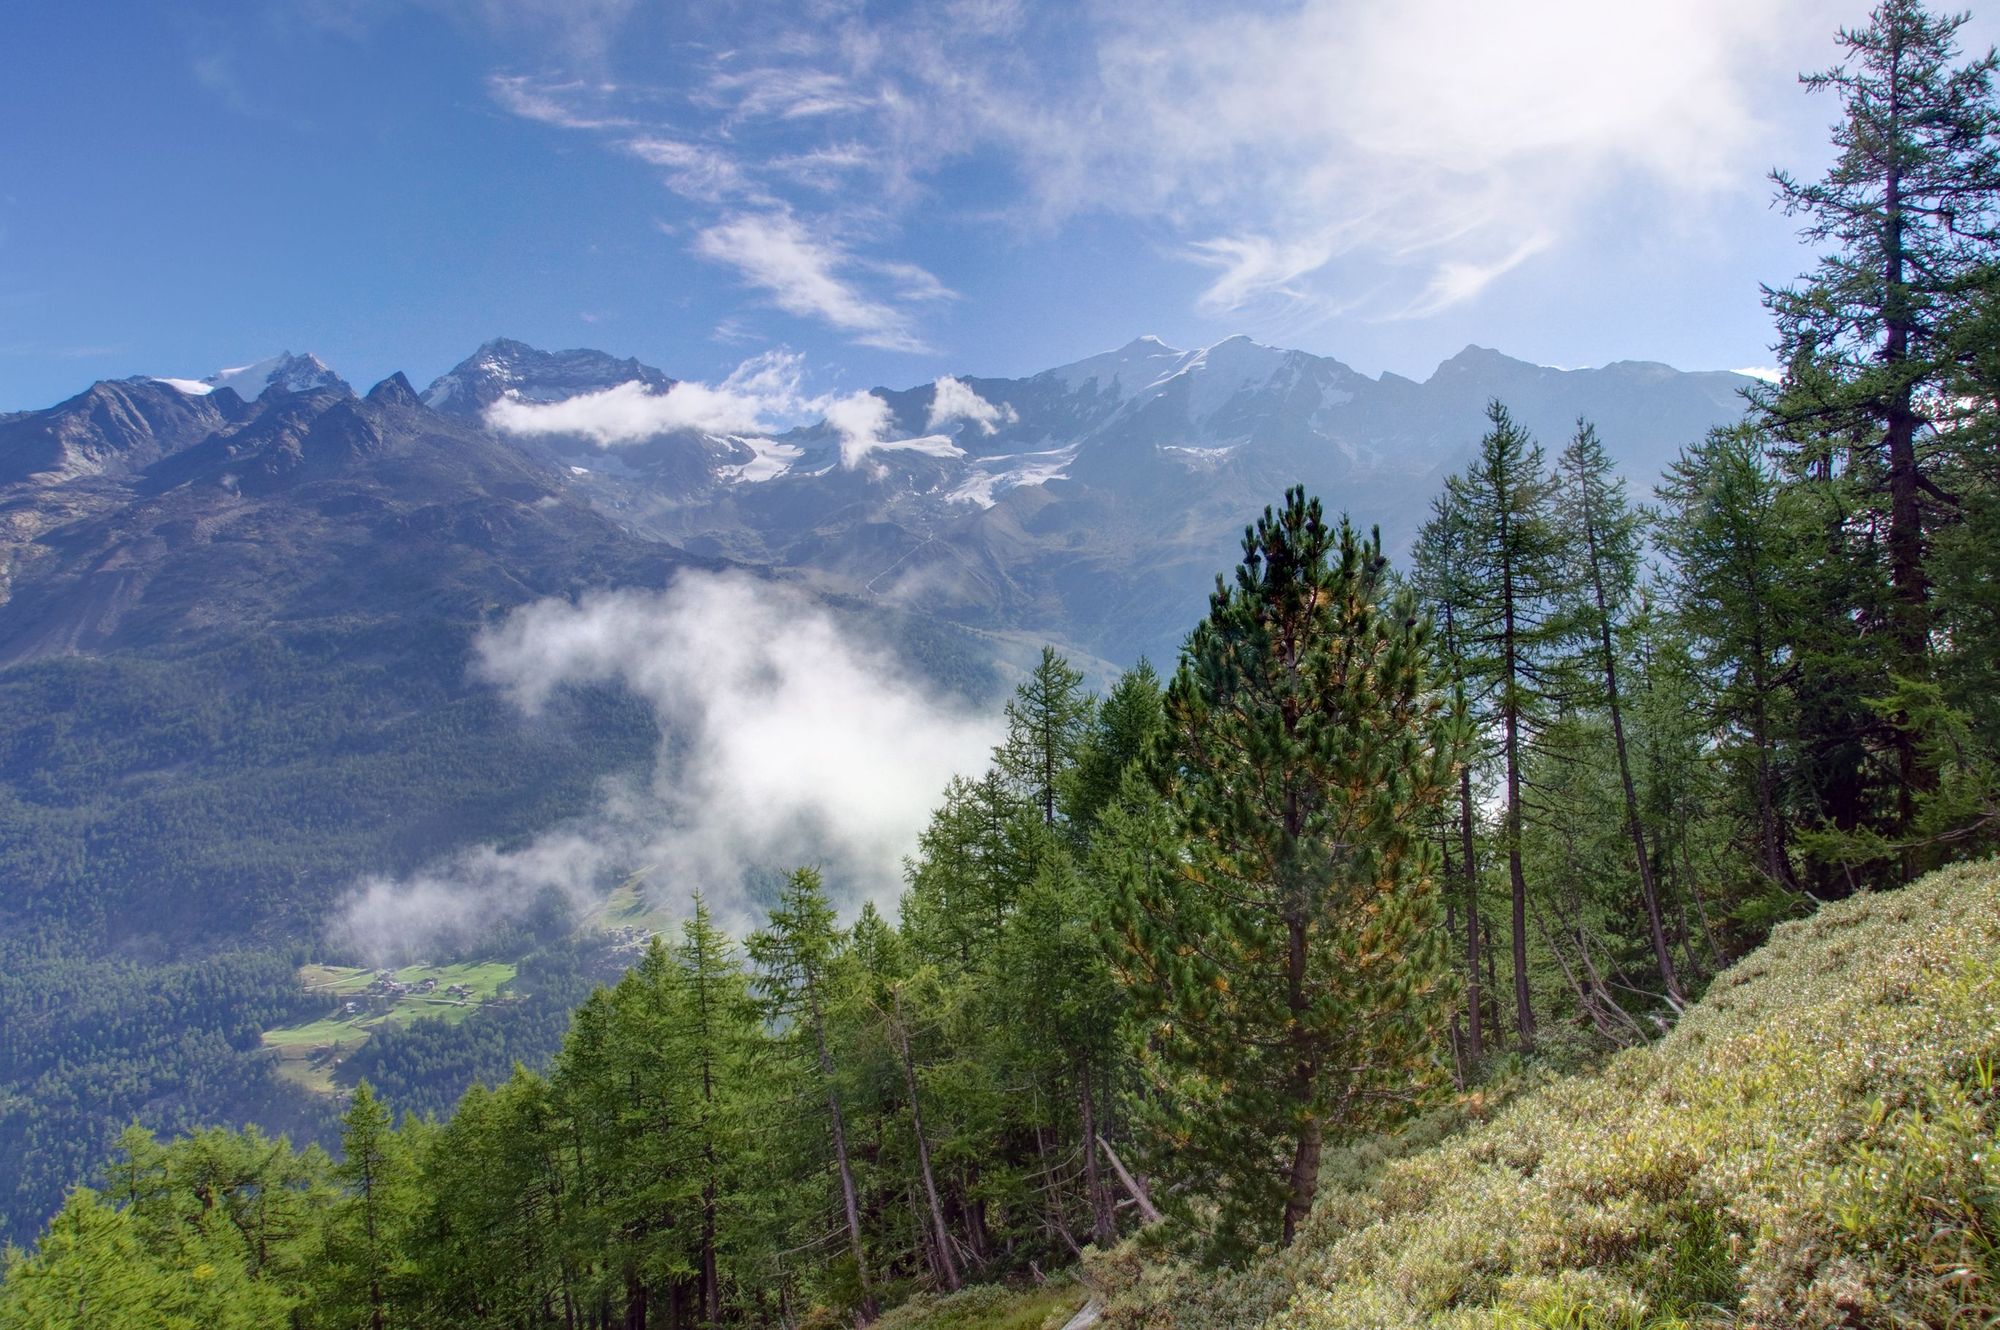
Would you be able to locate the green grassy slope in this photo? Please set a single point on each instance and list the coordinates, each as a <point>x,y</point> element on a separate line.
<point>309,1051</point>
<point>1813,1145</point>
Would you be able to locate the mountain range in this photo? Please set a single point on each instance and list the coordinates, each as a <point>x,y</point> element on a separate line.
<point>1090,504</point>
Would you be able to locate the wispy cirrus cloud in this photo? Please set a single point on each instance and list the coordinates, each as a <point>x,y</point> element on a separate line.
<point>814,277</point>
<point>698,172</point>
<point>805,268</point>
<point>558,103</point>
<point>1456,281</point>
<point>1328,155</point>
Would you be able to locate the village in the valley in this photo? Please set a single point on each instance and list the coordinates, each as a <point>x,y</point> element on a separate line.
<point>363,999</point>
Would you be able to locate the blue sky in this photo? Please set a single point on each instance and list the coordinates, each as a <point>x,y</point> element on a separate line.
<point>887,193</point>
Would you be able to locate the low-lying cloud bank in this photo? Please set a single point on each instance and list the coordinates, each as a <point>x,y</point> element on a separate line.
<point>762,397</point>
<point>763,394</point>
<point>786,740</point>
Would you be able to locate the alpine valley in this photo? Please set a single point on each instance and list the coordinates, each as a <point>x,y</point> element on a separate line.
<point>238,616</point>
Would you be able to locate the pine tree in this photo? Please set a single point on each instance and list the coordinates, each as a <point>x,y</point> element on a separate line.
<point>1288,972</point>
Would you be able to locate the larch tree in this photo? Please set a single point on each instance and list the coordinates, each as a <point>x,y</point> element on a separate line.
<point>1510,628</point>
<point>1438,577</point>
<point>1910,214</point>
<point>719,1033</point>
<point>1123,725</point>
<point>1047,721</point>
<point>366,1239</point>
<point>1719,533</point>
<point>1604,545</point>
<point>795,956</point>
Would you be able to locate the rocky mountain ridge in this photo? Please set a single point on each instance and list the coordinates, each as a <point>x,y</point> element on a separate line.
<point>1090,504</point>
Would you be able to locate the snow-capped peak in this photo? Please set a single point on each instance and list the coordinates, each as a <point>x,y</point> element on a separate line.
<point>504,367</point>
<point>1128,371</point>
<point>284,371</point>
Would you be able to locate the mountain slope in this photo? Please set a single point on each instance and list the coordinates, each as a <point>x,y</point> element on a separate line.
<point>1812,1145</point>
<point>239,639</point>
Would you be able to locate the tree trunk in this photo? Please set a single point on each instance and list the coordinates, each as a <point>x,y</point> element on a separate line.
<point>1649,891</point>
<point>1475,1047</point>
<point>1305,1178</point>
<point>1524,1012</point>
<point>711,1283</point>
<point>635,1302</point>
<point>1770,830</point>
<point>1305,1156</point>
<point>849,1201</point>
<point>1907,576</point>
<point>1133,1187</point>
<point>1049,1197</point>
<point>1510,708</point>
<point>1103,1231</point>
<point>947,1267</point>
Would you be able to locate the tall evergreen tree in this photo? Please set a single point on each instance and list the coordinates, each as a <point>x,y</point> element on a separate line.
<point>1604,548</point>
<point>1719,531</point>
<point>1510,629</point>
<point>1910,211</point>
<point>1439,578</point>
<point>1047,721</point>
<point>1128,720</point>
<point>719,1032</point>
<point>795,955</point>
<point>365,1241</point>
<point>1288,973</point>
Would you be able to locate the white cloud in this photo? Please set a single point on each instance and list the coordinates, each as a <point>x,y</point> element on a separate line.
<point>1449,137</point>
<point>695,171</point>
<point>1321,155</point>
<point>456,899</point>
<point>1254,267</point>
<point>787,741</point>
<point>553,102</point>
<point>823,168</point>
<point>761,395</point>
<point>862,420</point>
<point>1768,373</point>
<point>802,273</point>
<point>1457,281</point>
<point>784,93</point>
<point>954,399</point>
